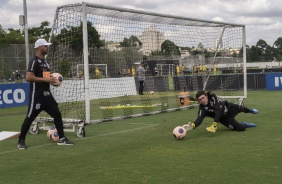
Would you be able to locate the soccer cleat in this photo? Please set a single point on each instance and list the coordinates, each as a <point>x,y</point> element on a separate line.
<point>64,141</point>
<point>254,111</point>
<point>249,125</point>
<point>21,144</point>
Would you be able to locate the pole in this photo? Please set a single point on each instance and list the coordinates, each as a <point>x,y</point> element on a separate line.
<point>26,34</point>
<point>244,61</point>
<point>85,62</point>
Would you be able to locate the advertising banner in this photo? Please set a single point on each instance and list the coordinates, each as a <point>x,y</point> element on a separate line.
<point>13,95</point>
<point>274,81</point>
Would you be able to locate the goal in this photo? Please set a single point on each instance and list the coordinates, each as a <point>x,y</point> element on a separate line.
<point>87,36</point>
<point>166,69</point>
<point>96,71</point>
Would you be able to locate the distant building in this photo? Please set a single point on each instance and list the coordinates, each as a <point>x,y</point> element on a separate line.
<point>184,53</point>
<point>114,46</point>
<point>151,40</point>
<point>218,43</point>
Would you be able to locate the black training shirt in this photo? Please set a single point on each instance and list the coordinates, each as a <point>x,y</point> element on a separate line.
<point>38,66</point>
<point>213,109</point>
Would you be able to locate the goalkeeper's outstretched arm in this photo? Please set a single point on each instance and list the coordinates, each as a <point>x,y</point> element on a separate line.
<point>193,125</point>
<point>189,126</point>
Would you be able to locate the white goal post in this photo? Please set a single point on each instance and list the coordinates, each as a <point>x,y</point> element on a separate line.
<point>113,39</point>
<point>166,69</point>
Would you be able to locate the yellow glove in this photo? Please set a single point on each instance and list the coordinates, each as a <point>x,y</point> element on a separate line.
<point>212,128</point>
<point>189,126</point>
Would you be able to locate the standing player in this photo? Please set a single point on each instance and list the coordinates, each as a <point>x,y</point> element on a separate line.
<point>40,97</point>
<point>97,72</point>
<point>18,75</point>
<point>156,70</point>
<point>141,77</point>
<point>183,68</point>
<point>133,71</point>
<point>177,69</point>
<point>221,111</point>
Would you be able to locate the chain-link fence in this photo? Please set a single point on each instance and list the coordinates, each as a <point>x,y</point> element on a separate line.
<point>13,61</point>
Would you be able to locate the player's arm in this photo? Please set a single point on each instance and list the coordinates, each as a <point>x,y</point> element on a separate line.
<point>198,121</point>
<point>217,108</point>
<point>200,118</point>
<point>30,77</point>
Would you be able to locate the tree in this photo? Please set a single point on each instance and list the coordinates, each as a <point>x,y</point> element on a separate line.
<point>241,51</point>
<point>156,53</point>
<point>278,48</point>
<point>278,44</point>
<point>261,49</point>
<point>254,54</point>
<point>73,36</point>
<point>2,35</point>
<point>195,52</point>
<point>208,54</point>
<point>12,36</point>
<point>132,41</point>
<point>43,31</point>
<point>64,67</point>
<point>169,48</point>
<point>200,45</point>
<point>269,53</point>
<point>15,36</point>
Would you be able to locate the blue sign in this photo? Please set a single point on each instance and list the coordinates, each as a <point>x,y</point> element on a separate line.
<point>13,95</point>
<point>273,81</point>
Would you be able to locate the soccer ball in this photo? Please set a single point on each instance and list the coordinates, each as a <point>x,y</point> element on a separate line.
<point>179,132</point>
<point>55,136</point>
<point>49,132</point>
<point>59,79</point>
<point>152,92</point>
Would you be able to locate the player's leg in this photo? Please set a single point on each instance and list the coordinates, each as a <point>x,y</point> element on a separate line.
<point>247,110</point>
<point>248,125</point>
<point>34,109</point>
<point>232,124</point>
<point>234,109</point>
<point>141,88</point>
<point>51,107</point>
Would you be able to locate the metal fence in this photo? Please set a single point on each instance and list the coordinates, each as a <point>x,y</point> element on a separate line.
<point>12,60</point>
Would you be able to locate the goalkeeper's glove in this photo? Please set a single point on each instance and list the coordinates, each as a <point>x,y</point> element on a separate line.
<point>212,128</point>
<point>189,126</point>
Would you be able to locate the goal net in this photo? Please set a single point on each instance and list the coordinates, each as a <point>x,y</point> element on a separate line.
<point>116,40</point>
<point>165,69</point>
<point>96,71</point>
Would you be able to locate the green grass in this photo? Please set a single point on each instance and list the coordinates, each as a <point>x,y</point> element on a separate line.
<point>143,150</point>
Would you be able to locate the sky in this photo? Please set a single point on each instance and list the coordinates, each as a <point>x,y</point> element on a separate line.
<point>263,18</point>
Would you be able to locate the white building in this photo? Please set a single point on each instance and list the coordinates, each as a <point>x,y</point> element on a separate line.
<point>114,46</point>
<point>184,53</point>
<point>218,43</point>
<point>151,40</point>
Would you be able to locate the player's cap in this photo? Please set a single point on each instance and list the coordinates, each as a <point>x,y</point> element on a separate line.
<point>41,42</point>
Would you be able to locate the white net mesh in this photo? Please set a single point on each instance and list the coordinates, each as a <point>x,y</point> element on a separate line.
<point>120,39</point>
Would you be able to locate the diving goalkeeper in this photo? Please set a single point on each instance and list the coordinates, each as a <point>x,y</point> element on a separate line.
<point>221,111</point>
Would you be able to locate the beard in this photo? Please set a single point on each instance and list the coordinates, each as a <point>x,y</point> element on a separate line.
<point>44,52</point>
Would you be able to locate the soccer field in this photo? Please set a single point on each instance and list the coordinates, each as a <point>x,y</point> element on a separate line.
<point>143,150</point>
